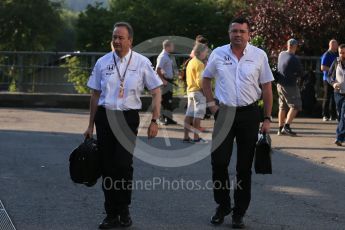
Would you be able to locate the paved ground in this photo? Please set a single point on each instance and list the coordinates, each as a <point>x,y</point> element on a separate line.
<point>306,190</point>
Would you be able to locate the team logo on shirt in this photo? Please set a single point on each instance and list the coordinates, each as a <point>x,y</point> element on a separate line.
<point>247,60</point>
<point>111,67</point>
<point>227,60</point>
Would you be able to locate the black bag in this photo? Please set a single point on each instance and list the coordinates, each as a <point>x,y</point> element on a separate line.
<point>262,158</point>
<point>85,163</point>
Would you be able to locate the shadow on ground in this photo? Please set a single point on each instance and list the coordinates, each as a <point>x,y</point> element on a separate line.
<point>38,194</point>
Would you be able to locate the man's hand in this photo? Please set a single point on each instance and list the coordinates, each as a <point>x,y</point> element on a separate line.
<point>152,131</point>
<point>336,86</point>
<point>214,109</point>
<point>89,132</point>
<point>165,82</point>
<point>265,127</point>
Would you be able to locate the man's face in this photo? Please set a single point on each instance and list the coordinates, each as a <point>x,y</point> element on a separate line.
<point>121,40</point>
<point>342,54</point>
<point>293,48</point>
<point>334,45</point>
<point>170,48</point>
<point>239,34</point>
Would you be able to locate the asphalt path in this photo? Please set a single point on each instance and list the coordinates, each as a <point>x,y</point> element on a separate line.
<point>37,192</point>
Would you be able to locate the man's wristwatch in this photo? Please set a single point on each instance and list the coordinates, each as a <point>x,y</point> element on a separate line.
<point>268,118</point>
<point>154,121</point>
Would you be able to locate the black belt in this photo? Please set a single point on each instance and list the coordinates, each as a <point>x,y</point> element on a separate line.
<point>244,108</point>
<point>102,108</point>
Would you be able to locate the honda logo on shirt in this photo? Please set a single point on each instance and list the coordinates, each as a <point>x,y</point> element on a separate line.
<point>110,67</point>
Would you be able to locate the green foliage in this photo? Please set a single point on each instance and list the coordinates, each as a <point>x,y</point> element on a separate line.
<point>66,41</point>
<point>94,28</point>
<point>28,24</point>
<point>312,22</point>
<point>153,18</point>
<point>258,41</point>
<point>77,74</point>
<point>12,87</point>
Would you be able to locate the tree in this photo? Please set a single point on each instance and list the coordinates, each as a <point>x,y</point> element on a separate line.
<point>29,24</point>
<point>77,74</point>
<point>66,40</point>
<point>313,22</point>
<point>93,28</point>
<point>153,18</point>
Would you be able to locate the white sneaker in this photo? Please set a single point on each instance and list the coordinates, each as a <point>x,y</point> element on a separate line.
<point>325,119</point>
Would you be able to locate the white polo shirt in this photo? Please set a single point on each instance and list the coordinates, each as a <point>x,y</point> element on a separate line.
<point>165,62</point>
<point>238,81</point>
<point>140,74</point>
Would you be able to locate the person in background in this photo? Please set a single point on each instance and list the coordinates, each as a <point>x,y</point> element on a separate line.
<point>336,79</point>
<point>328,105</point>
<point>165,70</point>
<point>196,100</point>
<point>290,70</point>
<point>199,39</point>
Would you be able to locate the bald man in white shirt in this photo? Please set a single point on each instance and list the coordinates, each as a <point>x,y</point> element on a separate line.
<point>117,82</point>
<point>242,76</point>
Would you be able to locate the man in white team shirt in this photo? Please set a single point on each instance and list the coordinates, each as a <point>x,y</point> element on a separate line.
<point>243,76</point>
<point>117,81</point>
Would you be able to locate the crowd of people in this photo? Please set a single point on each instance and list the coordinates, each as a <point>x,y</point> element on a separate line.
<point>289,77</point>
<point>242,77</point>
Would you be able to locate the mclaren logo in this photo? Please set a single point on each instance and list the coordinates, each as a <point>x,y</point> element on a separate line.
<point>227,60</point>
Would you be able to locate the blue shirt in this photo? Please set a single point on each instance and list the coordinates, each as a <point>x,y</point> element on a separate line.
<point>327,59</point>
<point>290,67</point>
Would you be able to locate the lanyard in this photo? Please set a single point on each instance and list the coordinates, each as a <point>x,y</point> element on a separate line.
<point>122,78</point>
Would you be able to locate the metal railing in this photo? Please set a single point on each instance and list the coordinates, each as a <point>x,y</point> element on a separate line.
<point>42,72</point>
<point>46,71</point>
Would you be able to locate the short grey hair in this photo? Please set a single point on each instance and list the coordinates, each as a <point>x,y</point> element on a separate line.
<point>199,48</point>
<point>128,27</point>
<point>166,43</point>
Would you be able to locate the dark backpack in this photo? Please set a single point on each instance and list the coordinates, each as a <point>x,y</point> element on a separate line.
<point>85,163</point>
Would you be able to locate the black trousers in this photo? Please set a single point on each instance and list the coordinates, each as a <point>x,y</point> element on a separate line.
<point>117,156</point>
<point>167,100</point>
<point>245,129</point>
<point>328,105</point>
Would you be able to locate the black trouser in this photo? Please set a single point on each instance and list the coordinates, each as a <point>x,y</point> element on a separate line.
<point>117,160</point>
<point>328,105</point>
<point>167,100</point>
<point>245,129</point>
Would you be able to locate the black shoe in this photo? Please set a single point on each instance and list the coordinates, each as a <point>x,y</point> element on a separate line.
<point>338,143</point>
<point>125,218</point>
<point>237,221</point>
<point>111,221</point>
<point>221,212</point>
<point>163,121</point>
<point>171,122</point>
<point>288,131</point>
